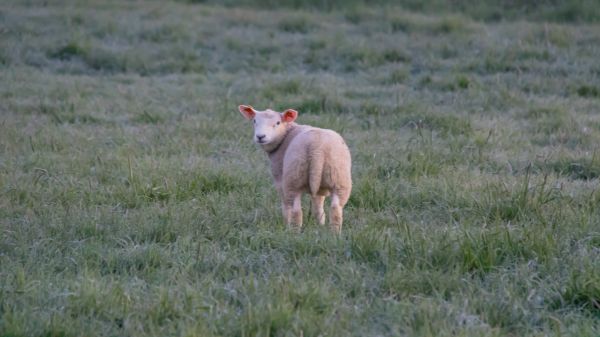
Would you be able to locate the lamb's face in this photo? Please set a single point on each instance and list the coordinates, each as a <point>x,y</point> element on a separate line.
<point>269,126</point>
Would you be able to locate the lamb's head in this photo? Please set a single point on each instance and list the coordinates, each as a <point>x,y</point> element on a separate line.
<point>269,126</point>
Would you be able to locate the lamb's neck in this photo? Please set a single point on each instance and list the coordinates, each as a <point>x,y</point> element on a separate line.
<point>281,146</point>
<point>277,154</point>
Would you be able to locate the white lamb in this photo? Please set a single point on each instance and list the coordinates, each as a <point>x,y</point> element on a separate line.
<point>304,159</point>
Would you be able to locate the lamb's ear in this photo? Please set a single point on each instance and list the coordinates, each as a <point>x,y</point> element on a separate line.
<point>247,111</point>
<point>289,115</point>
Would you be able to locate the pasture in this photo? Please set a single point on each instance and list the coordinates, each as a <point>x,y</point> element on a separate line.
<point>133,202</point>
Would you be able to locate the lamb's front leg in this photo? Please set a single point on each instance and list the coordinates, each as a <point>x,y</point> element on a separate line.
<point>292,210</point>
<point>286,207</point>
<point>287,213</point>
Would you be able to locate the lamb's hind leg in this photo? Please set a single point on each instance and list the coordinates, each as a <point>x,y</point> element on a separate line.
<point>317,208</point>
<point>339,199</point>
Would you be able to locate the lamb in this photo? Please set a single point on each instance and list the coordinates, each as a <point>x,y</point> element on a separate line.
<point>304,159</point>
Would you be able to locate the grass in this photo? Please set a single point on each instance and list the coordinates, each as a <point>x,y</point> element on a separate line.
<point>132,202</point>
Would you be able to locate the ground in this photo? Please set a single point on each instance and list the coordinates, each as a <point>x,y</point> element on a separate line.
<point>133,202</point>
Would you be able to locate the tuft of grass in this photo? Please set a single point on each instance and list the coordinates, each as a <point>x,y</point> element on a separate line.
<point>414,24</point>
<point>289,87</point>
<point>552,124</point>
<point>588,91</point>
<point>395,56</point>
<point>585,168</point>
<point>319,104</point>
<point>490,250</point>
<point>581,289</point>
<point>70,50</point>
<point>449,24</point>
<point>397,76</point>
<point>296,24</point>
<point>443,123</point>
<point>463,82</point>
<point>148,117</point>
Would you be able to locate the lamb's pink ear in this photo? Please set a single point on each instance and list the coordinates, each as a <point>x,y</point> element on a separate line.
<point>289,115</point>
<point>247,111</point>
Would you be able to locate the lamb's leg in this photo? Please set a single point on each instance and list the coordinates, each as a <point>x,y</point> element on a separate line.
<point>293,211</point>
<point>336,214</point>
<point>287,213</point>
<point>317,208</point>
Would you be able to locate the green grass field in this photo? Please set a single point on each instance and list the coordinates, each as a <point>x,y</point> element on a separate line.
<point>133,203</point>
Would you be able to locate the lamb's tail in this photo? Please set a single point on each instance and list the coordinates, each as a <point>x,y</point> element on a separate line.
<point>315,171</point>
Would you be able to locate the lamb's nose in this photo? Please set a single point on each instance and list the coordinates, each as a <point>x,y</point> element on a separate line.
<point>260,137</point>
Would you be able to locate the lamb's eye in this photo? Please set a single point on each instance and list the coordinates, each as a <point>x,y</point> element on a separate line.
<point>254,120</point>
<point>278,123</point>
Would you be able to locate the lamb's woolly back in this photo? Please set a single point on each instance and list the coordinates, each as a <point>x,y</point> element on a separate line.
<point>325,157</point>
